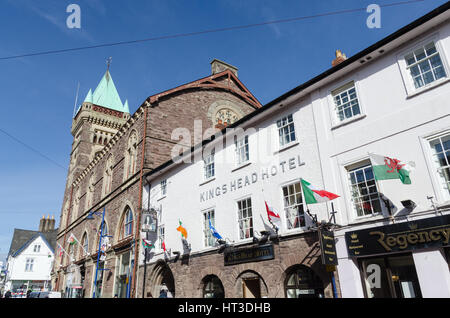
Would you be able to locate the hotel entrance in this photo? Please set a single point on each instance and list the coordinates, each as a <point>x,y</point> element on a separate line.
<point>390,277</point>
<point>251,288</point>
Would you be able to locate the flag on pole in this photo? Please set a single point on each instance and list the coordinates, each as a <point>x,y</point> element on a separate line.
<point>273,216</point>
<point>314,195</point>
<point>60,249</point>
<point>72,239</point>
<point>147,244</point>
<point>182,230</point>
<point>390,168</point>
<point>213,230</point>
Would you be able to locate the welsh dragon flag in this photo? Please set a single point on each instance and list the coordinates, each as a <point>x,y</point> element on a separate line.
<point>147,244</point>
<point>316,195</point>
<point>390,168</point>
<point>72,239</point>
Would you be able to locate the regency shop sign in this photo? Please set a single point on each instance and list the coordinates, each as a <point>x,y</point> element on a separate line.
<point>249,254</point>
<point>265,173</point>
<point>431,232</point>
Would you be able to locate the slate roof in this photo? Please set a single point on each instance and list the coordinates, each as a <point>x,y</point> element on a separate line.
<point>22,238</point>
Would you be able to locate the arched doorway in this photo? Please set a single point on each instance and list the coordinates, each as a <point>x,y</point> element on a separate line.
<point>161,277</point>
<point>302,282</point>
<point>212,287</point>
<point>250,284</point>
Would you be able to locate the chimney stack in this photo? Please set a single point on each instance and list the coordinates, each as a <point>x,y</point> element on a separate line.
<point>51,225</point>
<point>340,57</point>
<point>218,66</point>
<point>42,224</point>
<point>46,224</point>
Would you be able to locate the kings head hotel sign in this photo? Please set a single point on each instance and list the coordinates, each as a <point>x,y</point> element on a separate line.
<point>412,235</point>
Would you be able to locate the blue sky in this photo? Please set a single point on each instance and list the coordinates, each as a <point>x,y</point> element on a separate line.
<point>38,93</point>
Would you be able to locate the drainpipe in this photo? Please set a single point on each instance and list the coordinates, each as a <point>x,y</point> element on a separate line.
<point>138,223</point>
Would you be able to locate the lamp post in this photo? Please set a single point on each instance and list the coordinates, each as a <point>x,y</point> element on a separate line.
<point>149,219</point>
<point>91,217</point>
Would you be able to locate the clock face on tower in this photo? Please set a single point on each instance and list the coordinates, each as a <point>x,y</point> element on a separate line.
<point>226,116</point>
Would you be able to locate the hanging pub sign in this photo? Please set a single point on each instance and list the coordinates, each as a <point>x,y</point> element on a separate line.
<point>412,235</point>
<point>249,254</point>
<point>328,247</point>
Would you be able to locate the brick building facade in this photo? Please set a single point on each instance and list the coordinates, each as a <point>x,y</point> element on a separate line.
<point>112,149</point>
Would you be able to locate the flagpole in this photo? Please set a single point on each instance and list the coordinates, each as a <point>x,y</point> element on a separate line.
<point>391,217</point>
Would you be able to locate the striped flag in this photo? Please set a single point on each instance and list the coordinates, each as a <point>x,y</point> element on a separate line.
<point>315,195</point>
<point>273,216</point>
<point>60,249</point>
<point>182,230</point>
<point>213,230</point>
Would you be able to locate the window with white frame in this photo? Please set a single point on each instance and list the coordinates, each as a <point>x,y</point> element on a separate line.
<point>242,150</point>
<point>245,218</point>
<point>161,237</point>
<point>29,265</point>
<point>127,224</point>
<point>346,104</point>
<point>441,156</point>
<point>209,166</point>
<point>163,187</point>
<point>207,235</point>
<point>364,191</point>
<point>286,130</point>
<point>425,65</point>
<point>37,248</point>
<point>84,245</point>
<point>293,205</point>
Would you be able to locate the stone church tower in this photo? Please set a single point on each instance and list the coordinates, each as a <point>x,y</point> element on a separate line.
<point>96,121</point>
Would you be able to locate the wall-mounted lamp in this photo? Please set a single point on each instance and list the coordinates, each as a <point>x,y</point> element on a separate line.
<point>409,204</point>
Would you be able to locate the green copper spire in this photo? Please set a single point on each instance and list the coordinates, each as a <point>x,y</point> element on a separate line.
<point>88,98</point>
<point>125,107</point>
<point>106,95</point>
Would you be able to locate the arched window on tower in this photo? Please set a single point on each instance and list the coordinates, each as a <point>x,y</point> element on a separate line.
<point>131,155</point>
<point>90,192</point>
<point>76,205</point>
<point>107,176</point>
<point>126,227</point>
<point>84,247</point>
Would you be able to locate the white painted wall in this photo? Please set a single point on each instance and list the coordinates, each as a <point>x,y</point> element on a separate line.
<point>42,262</point>
<point>395,123</point>
<point>186,184</point>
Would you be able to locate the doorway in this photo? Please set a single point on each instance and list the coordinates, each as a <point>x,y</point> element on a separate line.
<point>390,277</point>
<point>251,288</point>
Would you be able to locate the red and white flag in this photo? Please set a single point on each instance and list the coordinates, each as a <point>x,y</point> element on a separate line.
<point>273,216</point>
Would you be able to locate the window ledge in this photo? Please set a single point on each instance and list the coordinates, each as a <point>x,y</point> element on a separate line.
<point>288,146</point>
<point>348,121</point>
<point>367,219</point>
<point>427,88</point>
<point>207,181</point>
<point>245,164</point>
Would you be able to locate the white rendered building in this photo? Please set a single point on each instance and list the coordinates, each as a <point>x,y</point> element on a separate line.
<point>391,99</point>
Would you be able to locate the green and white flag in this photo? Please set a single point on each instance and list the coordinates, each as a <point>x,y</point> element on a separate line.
<point>385,168</point>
